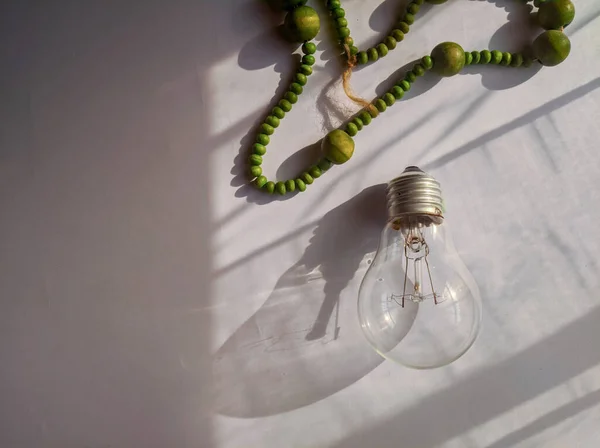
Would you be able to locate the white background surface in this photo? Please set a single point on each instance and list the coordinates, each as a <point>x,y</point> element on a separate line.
<point>149,299</point>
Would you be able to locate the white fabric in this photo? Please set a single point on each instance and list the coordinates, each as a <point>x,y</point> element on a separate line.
<point>149,299</point>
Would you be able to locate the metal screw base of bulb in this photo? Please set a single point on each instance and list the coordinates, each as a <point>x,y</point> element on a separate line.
<point>415,194</point>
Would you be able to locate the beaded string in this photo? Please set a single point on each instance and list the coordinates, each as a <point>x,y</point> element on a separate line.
<point>302,24</point>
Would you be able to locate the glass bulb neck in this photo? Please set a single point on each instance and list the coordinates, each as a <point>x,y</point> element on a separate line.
<point>415,196</point>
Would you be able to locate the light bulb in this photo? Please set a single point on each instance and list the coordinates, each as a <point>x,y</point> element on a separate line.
<point>418,304</point>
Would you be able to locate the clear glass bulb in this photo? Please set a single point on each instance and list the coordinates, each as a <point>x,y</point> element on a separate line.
<point>418,304</point>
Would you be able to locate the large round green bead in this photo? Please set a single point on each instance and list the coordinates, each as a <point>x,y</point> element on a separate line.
<point>448,59</point>
<point>301,24</point>
<point>551,48</point>
<point>338,147</point>
<point>555,14</point>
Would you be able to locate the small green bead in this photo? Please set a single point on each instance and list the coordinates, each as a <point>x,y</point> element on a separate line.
<point>358,123</point>
<point>291,97</point>
<point>413,8</point>
<point>353,50</point>
<point>278,112</point>
<point>382,49</point>
<point>373,54</point>
<point>259,149</point>
<point>390,42</point>
<point>305,70</point>
<point>341,22</point>
<point>337,147</point>
<point>476,57</point>
<point>410,77</point>
<point>486,57</point>
<point>263,139</point>
<point>285,105</point>
<point>398,92</point>
<point>517,60</point>
<point>338,13</point>
<point>409,19</point>
<point>403,26</point>
<point>418,70</point>
<point>404,85</point>
<point>272,121</point>
<point>527,61</point>
<point>389,99</point>
<point>333,4</point>
<point>269,187</point>
<point>266,129</point>
<point>260,181</point>
<point>468,58</point>
<point>556,14</point>
<point>343,32</point>
<point>448,59</point>
<point>315,172</point>
<point>362,57</point>
<point>280,188</point>
<point>365,117</point>
<point>300,79</point>
<point>309,48</point>
<point>296,88</point>
<point>551,48</point>
<point>307,178</point>
<point>496,57</point>
<point>325,164</point>
<point>373,111</point>
<point>255,171</point>
<point>308,59</point>
<point>348,41</point>
<point>351,129</point>
<point>506,58</point>
<point>290,185</point>
<point>397,35</point>
<point>380,105</point>
<point>301,24</point>
<point>300,184</point>
<point>427,62</point>
<point>255,160</point>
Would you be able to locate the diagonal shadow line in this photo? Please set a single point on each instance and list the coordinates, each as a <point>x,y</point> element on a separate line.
<point>581,24</point>
<point>489,392</point>
<point>548,420</point>
<point>536,113</point>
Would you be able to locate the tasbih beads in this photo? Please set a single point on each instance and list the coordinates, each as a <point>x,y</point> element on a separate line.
<point>302,24</point>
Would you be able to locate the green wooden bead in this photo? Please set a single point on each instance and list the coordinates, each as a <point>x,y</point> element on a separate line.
<point>343,31</point>
<point>410,77</point>
<point>365,117</point>
<point>468,58</point>
<point>409,19</point>
<point>413,8</point>
<point>338,13</point>
<point>351,129</point>
<point>476,57</point>
<point>272,121</point>
<point>403,26</point>
<point>373,54</point>
<point>389,99</point>
<point>506,58</point>
<point>263,139</point>
<point>301,24</point>
<point>551,48</point>
<point>556,14</point>
<point>390,42</point>
<point>362,57</point>
<point>397,35</point>
<point>255,160</point>
<point>353,50</point>
<point>291,97</point>
<point>486,57</point>
<point>255,171</point>
<point>300,79</point>
<point>285,105</point>
<point>315,172</point>
<point>296,88</point>
<point>307,178</point>
<point>269,187</point>
<point>278,112</point>
<point>517,60</point>
<point>404,85</point>
<point>259,149</point>
<point>305,70</point>
<point>418,70</point>
<point>348,41</point>
<point>260,181</point>
<point>300,184</point>
<point>398,92</point>
<point>382,49</point>
<point>496,57</point>
<point>337,147</point>
<point>373,112</point>
<point>427,62</point>
<point>358,123</point>
<point>308,59</point>
<point>280,188</point>
<point>309,48</point>
<point>341,22</point>
<point>325,164</point>
<point>290,185</point>
<point>333,4</point>
<point>380,105</point>
<point>448,59</point>
<point>266,129</point>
